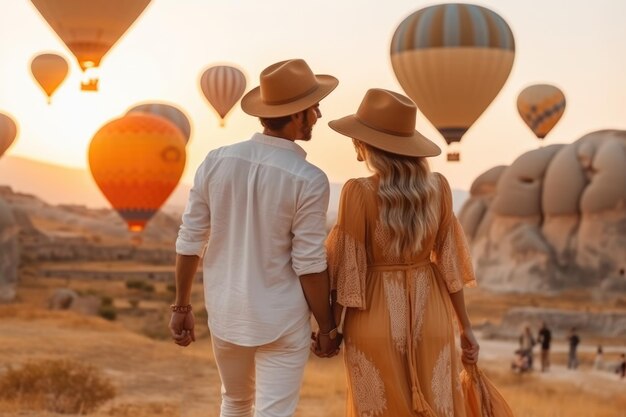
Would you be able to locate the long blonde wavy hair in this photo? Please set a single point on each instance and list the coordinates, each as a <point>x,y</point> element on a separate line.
<point>407,193</point>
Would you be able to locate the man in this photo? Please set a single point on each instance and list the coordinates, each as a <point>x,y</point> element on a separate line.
<point>262,208</point>
<point>574,340</point>
<point>545,338</point>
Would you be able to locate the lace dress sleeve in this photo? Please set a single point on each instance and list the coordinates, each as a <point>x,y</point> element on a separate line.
<point>345,246</point>
<point>451,253</point>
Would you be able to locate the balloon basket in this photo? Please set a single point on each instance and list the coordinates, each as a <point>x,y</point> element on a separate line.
<point>136,240</point>
<point>453,157</point>
<point>91,85</point>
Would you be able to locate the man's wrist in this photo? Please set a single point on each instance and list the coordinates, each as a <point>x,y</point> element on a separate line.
<point>332,334</point>
<point>181,308</point>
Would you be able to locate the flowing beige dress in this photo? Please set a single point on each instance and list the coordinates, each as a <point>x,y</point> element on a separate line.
<point>400,347</point>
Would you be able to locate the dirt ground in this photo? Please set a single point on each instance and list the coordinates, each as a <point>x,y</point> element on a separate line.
<point>154,377</point>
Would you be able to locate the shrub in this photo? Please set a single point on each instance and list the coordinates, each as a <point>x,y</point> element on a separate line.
<point>134,284</point>
<point>138,284</point>
<point>60,386</point>
<point>106,301</point>
<point>107,312</point>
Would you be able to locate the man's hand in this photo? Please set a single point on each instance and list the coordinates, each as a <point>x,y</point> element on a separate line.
<point>323,346</point>
<point>182,328</point>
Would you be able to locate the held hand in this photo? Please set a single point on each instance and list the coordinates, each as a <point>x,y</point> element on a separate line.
<point>182,328</point>
<point>323,346</point>
<point>469,346</point>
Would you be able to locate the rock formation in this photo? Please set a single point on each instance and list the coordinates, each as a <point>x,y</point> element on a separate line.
<point>9,253</point>
<point>554,219</point>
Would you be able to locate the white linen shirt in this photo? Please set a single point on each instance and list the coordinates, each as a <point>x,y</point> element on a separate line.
<point>262,208</point>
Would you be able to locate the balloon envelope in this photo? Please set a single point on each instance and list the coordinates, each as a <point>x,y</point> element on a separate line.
<point>137,161</point>
<point>452,60</point>
<point>90,28</point>
<point>541,107</point>
<point>49,70</point>
<point>171,113</point>
<point>8,132</point>
<point>223,86</point>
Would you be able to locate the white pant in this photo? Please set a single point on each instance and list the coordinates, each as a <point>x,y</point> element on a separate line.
<point>278,368</point>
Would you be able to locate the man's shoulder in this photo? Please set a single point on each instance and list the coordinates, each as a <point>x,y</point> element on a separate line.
<point>316,172</point>
<point>228,149</point>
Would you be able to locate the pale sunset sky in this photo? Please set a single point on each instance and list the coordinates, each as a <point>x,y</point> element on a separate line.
<point>577,45</point>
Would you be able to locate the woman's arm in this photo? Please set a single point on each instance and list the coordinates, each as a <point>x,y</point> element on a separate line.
<point>468,340</point>
<point>338,314</point>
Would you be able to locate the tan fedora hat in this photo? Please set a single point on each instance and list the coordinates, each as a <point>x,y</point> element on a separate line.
<point>287,87</point>
<point>386,120</point>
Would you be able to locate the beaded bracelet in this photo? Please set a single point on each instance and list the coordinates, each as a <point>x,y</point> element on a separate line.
<point>180,309</point>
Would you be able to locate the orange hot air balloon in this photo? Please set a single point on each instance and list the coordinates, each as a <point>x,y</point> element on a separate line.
<point>137,161</point>
<point>8,132</point>
<point>223,86</point>
<point>90,28</point>
<point>452,60</point>
<point>541,107</point>
<point>49,70</point>
<point>170,112</point>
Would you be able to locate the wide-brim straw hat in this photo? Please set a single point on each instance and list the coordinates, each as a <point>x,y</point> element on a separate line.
<point>287,87</point>
<point>386,120</point>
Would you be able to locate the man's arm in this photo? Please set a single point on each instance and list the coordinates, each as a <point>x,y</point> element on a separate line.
<point>182,323</point>
<point>316,288</point>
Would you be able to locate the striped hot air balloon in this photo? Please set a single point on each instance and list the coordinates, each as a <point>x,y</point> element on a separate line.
<point>8,132</point>
<point>137,161</point>
<point>49,70</point>
<point>541,107</point>
<point>452,60</point>
<point>223,86</point>
<point>90,28</point>
<point>170,112</point>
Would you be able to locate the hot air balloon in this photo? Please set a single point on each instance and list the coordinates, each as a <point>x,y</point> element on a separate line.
<point>90,28</point>
<point>541,107</point>
<point>8,132</point>
<point>170,112</point>
<point>49,70</point>
<point>223,86</point>
<point>452,60</point>
<point>137,161</point>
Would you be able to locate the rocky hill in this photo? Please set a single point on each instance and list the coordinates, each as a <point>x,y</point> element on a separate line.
<point>554,219</point>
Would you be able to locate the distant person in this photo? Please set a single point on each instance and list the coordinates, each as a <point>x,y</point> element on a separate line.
<point>572,358</point>
<point>545,338</point>
<point>260,209</point>
<point>526,344</point>
<point>621,368</point>
<point>520,362</point>
<point>598,362</point>
<point>398,261</point>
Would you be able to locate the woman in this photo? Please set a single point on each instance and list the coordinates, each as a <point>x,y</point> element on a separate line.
<point>398,261</point>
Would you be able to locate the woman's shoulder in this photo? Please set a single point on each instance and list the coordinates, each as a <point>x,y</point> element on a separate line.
<point>440,180</point>
<point>360,184</point>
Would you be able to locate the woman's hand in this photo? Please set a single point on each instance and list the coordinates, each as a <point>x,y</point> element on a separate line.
<point>469,346</point>
<point>323,346</point>
<point>182,328</point>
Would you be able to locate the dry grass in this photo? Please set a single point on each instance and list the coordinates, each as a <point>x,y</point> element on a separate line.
<point>156,378</point>
<point>156,409</point>
<point>60,386</point>
<point>533,396</point>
